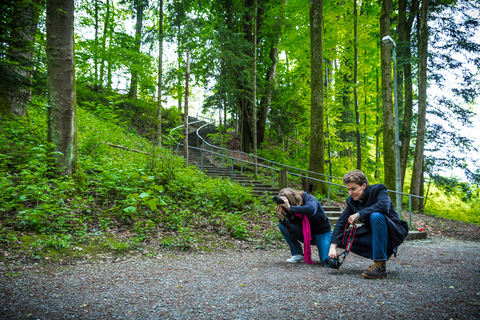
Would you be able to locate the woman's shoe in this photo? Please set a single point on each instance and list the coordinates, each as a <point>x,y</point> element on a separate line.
<point>296,258</point>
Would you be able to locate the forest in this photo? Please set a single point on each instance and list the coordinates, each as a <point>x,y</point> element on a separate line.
<point>384,86</point>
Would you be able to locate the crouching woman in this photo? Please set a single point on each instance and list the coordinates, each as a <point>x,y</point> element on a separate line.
<point>303,220</point>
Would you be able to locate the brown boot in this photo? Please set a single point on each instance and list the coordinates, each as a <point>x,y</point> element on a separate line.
<point>377,270</point>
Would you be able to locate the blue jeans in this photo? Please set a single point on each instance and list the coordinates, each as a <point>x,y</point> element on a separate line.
<point>322,241</point>
<point>378,224</point>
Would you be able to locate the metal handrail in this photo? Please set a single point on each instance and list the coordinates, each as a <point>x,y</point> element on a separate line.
<point>260,158</point>
<point>241,160</point>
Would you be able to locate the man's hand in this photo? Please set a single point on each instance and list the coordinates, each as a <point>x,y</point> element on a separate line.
<point>354,217</point>
<point>332,254</point>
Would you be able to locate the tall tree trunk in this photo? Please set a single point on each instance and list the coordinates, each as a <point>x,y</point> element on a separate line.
<point>179,62</point>
<point>355,93</point>
<point>388,128</point>
<point>377,131</point>
<point>160,72</point>
<point>245,101</point>
<point>328,74</point>
<point>417,174</point>
<point>109,64</point>
<point>185,113</point>
<point>405,58</point>
<point>95,47</point>
<point>316,161</point>
<point>254,85</point>
<point>27,21</point>
<point>139,6</point>
<point>62,127</point>
<point>270,82</point>
<point>104,43</point>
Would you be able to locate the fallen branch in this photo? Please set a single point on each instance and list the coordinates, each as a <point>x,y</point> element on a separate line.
<point>128,149</point>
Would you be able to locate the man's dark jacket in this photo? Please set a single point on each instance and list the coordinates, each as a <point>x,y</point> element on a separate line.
<point>315,214</point>
<point>375,199</point>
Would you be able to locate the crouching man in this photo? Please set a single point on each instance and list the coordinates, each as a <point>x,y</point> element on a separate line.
<point>382,231</point>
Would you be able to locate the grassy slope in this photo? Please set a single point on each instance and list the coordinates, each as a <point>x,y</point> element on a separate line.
<point>128,202</point>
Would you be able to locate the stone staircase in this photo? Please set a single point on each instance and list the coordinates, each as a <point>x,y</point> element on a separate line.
<point>259,188</point>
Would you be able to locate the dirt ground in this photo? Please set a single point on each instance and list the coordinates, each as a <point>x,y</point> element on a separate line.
<point>436,278</point>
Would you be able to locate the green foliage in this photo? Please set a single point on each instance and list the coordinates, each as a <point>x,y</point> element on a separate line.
<point>127,192</point>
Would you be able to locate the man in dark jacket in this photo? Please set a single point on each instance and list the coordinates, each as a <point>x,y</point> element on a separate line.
<point>382,231</point>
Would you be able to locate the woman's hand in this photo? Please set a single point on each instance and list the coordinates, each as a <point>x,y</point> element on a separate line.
<point>286,204</point>
<point>332,254</point>
<point>354,217</point>
<point>279,210</point>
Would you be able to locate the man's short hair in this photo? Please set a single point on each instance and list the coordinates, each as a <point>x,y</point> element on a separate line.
<point>355,176</point>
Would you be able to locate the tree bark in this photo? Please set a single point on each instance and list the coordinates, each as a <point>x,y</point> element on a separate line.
<point>270,82</point>
<point>377,131</point>
<point>405,58</point>
<point>245,101</point>
<point>139,6</point>
<point>27,21</point>
<point>62,128</point>
<point>417,174</point>
<point>254,87</point>
<point>355,93</point>
<point>104,43</point>
<point>387,105</point>
<point>316,161</point>
<point>185,114</point>
<point>160,73</point>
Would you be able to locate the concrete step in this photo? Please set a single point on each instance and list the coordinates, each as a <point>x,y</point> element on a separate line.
<point>416,235</point>
<point>331,208</point>
<point>333,213</point>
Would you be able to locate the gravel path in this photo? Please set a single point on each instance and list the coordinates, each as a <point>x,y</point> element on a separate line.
<point>429,279</point>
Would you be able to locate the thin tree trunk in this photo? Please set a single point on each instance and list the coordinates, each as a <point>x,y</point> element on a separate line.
<point>405,26</point>
<point>109,64</point>
<point>160,72</point>
<point>254,85</point>
<point>104,43</point>
<point>270,83</point>
<point>185,114</point>
<point>355,93</point>
<point>317,158</point>
<point>139,4</point>
<point>377,130</point>
<point>417,174</point>
<point>95,47</point>
<point>27,27</point>
<point>179,59</point>
<point>388,128</point>
<point>62,129</point>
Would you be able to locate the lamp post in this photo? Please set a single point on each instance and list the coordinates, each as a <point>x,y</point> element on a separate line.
<point>387,40</point>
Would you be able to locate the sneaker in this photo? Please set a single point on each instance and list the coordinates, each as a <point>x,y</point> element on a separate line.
<point>296,258</point>
<point>377,270</point>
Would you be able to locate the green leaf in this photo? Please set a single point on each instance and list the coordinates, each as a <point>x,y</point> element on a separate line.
<point>130,209</point>
<point>152,204</point>
<point>144,195</point>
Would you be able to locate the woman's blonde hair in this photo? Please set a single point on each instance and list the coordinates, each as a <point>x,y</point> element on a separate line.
<point>294,196</point>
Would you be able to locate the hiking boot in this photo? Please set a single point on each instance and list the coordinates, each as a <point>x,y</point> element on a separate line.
<point>377,270</point>
<point>296,258</point>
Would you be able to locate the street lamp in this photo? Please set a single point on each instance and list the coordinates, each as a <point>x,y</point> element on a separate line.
<point>388,41</point>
